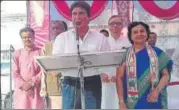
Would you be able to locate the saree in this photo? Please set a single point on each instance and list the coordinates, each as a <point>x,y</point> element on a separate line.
<point>143,80</point>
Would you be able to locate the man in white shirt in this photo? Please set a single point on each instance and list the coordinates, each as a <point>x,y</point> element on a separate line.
<point>116,41</point>
<point>89,41</point>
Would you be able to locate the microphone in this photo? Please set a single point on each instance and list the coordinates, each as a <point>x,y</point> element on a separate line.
<point>77,23</point>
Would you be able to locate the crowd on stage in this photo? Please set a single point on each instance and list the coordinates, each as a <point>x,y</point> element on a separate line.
<point>139,82</point>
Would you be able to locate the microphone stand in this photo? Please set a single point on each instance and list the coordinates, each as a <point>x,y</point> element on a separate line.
<point>46,100</point>
<point>80,71</point>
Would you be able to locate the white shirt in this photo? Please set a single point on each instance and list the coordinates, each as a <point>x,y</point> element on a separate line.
<point>92,42</point>
<point>121,42</point>
<point>109,89</point>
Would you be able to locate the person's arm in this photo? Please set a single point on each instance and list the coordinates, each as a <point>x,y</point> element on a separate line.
<point>119,85</point>
<point>19,81</point>
<point>58,45</point>
<point>164,80</point>
<point>35,80</point>
<point>153,96</point>
<point>43,91</point>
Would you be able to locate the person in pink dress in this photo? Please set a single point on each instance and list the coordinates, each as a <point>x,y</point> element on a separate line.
<point>26,73</point>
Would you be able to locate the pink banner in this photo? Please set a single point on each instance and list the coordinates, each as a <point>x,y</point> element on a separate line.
<point>38,19</point>
<point>124,9</point>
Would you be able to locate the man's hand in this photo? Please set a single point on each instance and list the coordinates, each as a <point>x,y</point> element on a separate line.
<point>30,92</point>
<point>105,78</point>
<point>153,96</point>
<point>26,86</point>
<point>113,79</point>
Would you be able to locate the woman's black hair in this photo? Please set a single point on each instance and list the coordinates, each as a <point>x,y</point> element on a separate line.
<point>133,24</point>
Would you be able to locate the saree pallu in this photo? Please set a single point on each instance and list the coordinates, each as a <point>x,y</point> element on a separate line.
<point>143,81</point>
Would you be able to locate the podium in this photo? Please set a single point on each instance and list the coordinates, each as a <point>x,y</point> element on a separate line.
<point>58,63</point>
<point>63,62</point>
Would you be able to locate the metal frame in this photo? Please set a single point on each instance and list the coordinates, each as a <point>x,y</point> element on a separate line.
<point>10,52</point>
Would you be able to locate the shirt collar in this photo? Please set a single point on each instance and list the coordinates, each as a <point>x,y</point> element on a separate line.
<point>120,37</point>
<point>87,34</point>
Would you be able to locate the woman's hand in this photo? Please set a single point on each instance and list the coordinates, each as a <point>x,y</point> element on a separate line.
<point>119,86</point>
<point>122,105</point>
<point>153,96</point>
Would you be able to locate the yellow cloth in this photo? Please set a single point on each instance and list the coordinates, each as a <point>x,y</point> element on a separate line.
<point>56,102</point>
<point>50,83</point>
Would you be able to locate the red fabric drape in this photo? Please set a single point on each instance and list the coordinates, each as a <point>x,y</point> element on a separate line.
<point>123,9</point>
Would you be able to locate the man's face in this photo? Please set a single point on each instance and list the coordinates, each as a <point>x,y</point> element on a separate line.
<point>27,38</point>
<point>115,25</point>
<point>56,29</point>
<point>80,17</point>
<point>152,39</point>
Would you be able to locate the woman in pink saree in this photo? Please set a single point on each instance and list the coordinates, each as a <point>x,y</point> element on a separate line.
<point>26,73</point>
